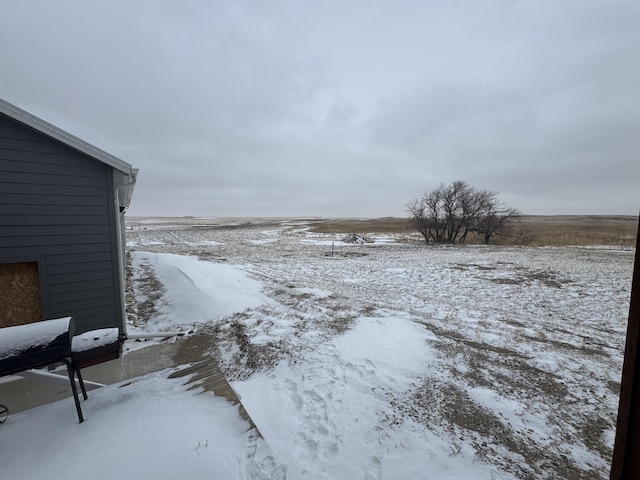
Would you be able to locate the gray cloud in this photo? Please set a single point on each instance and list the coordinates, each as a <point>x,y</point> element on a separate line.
<point>340,108</point>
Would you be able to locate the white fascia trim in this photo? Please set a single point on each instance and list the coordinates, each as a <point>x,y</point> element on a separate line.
<point>64,137</point>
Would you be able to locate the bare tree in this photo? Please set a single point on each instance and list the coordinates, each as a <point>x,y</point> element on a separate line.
<point>425,219</point>
<point>428,217</point>
<point>450,212</point>
<point>494,222</point>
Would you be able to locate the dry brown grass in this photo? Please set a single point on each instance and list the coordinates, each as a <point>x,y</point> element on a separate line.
<point>535,230</point>
<point>561,230</point>
<point>362,225</point>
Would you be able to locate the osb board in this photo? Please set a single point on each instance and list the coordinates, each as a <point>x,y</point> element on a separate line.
<point>19,294</point>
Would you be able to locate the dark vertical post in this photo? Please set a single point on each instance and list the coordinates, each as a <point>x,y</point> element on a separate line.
<point>626,451</point>
<point>74,389</point>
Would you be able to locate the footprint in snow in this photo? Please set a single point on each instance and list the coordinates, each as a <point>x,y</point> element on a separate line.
<point>265,469</point>
<point>376,436</point>
<point>296,398</point>
<point>374,469</point>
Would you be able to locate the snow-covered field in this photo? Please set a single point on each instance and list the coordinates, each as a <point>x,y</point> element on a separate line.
<point>386,360</point>
<point>395,360</point>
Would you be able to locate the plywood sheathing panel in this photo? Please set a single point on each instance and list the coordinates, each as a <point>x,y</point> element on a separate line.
<point>19,294</point>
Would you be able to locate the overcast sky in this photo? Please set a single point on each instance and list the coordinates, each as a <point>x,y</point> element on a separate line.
<point>340,108</point>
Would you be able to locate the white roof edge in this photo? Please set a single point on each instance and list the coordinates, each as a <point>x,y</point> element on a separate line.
<point>64,137</point>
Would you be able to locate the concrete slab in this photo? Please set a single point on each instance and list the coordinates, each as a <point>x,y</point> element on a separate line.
<point>20,394</point>
<point>207,377</point>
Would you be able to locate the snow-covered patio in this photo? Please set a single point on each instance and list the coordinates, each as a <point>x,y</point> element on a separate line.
<point>149,427</point>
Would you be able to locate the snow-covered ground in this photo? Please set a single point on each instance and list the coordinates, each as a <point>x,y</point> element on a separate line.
<point>384,361</point>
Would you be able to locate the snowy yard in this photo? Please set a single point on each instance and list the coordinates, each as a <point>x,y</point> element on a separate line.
<point>384,361</point>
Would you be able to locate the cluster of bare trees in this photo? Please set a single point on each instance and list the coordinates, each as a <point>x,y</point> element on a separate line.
<point>450,213</point>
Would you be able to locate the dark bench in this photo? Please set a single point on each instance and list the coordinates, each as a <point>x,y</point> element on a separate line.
<point>37,345</point>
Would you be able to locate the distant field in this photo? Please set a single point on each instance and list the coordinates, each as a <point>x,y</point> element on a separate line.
<point>529,230</point>
<point>533,230</point>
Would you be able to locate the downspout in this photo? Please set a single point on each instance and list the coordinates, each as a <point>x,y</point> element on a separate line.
<point>121,246</point>
<point>120,209</point>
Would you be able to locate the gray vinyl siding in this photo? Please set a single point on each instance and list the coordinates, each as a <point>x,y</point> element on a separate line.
<point>57,207</point>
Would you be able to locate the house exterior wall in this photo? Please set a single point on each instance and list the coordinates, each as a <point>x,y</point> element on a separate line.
<point>57,207</point>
